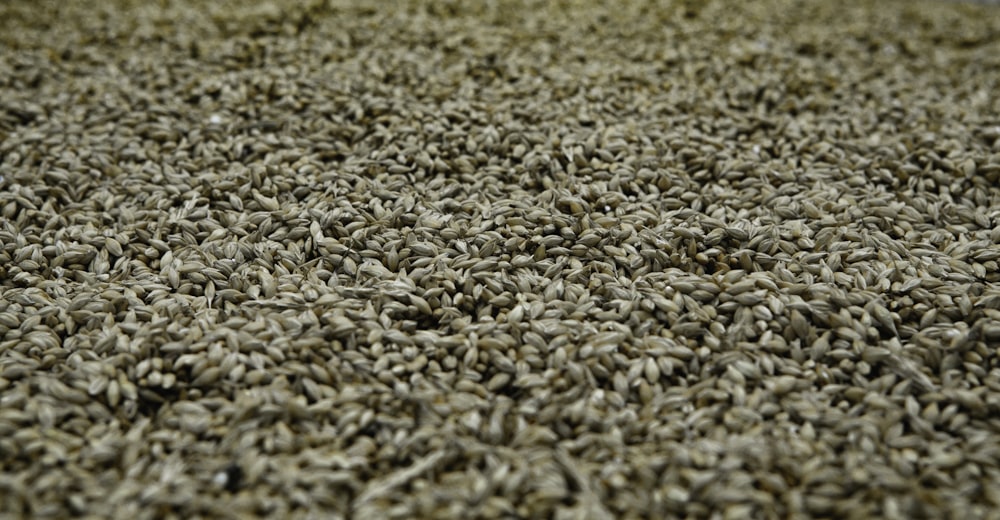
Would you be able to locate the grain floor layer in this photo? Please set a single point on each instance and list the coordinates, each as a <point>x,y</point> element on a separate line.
<point>442,259</point>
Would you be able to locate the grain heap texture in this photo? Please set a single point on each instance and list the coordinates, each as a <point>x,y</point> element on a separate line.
<point>511,260</point>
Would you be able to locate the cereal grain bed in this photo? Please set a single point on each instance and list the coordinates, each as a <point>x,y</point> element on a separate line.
<point>332,259</point>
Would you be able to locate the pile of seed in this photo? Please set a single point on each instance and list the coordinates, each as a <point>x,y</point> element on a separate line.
<point>521,259</point>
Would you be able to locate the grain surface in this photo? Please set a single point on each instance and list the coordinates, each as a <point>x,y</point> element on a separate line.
<point>512,259</point>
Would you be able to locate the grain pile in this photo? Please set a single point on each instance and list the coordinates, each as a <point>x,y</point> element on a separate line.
<point>518,259</point>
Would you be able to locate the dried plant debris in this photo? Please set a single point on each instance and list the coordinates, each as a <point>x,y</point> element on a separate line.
<point>518,259</point>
